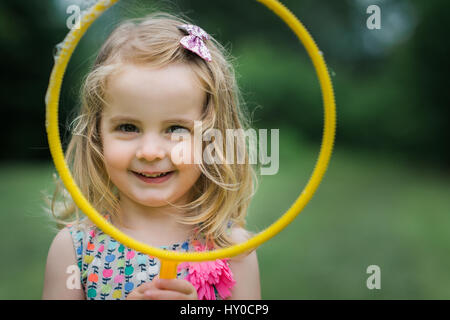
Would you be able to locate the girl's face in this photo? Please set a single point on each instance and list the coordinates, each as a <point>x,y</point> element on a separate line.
<point>145,107</point>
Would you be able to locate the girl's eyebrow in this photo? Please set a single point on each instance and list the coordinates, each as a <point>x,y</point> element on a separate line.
<point>122,119</point>
<point>129,119</point>
<point>187,122</point>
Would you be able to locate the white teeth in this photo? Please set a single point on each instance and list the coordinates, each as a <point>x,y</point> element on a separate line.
<point>152,175</point>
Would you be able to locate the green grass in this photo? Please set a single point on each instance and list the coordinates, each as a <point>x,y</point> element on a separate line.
<point>25,237</point>
<point>370,209</point>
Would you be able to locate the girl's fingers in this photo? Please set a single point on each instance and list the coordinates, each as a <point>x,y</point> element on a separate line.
<point>146,286</point>
<point>135,295</point>
<point>164,289</point>
<point>165,295</point>
<point>182,286</point>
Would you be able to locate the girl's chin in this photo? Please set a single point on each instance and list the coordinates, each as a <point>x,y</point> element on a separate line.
<point>159,202</point>
<point>154,203</point>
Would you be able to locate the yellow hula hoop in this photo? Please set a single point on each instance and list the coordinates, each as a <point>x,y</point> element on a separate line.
<point>170,259</point>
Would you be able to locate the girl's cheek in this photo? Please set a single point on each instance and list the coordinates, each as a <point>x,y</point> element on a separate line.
<point>116,154</point>
<point>183,153</point>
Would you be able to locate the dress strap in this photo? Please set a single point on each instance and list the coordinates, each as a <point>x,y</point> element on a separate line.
<point>77,240</point>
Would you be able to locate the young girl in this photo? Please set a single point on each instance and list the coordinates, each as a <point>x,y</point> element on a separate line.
<point>152,79</point>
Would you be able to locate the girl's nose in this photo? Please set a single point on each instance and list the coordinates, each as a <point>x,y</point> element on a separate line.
<point>150,149</point>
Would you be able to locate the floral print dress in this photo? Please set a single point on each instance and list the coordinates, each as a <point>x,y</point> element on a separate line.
<point>110,271</point>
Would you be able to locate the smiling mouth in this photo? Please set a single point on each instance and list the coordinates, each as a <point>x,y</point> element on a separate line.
<point>156,175</point>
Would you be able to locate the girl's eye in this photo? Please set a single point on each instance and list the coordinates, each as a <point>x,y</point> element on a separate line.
<point>176,128</point>
<point>127,127</point>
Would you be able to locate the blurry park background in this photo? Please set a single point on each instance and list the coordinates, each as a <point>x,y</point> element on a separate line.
<point>385,199</point>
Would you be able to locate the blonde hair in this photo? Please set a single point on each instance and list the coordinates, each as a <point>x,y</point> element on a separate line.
<point>222,193</point>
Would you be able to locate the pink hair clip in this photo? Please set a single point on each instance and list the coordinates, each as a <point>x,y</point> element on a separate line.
<point>194,41</point>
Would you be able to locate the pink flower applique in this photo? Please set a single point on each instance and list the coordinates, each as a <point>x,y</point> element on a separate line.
<point>206,275</point>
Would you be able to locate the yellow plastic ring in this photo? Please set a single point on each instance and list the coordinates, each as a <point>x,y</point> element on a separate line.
<point>52,101</point>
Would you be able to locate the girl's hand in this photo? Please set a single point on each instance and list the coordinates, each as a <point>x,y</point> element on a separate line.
<point>164,289</point>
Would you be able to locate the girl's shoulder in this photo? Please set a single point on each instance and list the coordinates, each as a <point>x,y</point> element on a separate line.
<point>239,234</point>
<point>62,240</point>
<point>60,261</point>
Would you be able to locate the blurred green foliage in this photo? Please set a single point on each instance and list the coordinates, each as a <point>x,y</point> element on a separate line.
<point>389,83</point>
